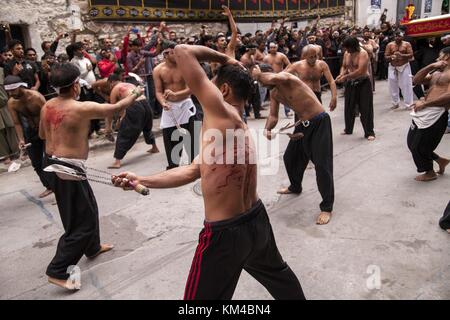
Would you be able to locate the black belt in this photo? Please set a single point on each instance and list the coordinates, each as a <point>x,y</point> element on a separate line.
<point>320,116</point>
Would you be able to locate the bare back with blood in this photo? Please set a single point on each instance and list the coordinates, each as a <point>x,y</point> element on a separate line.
<point>229,187</point>
<point>66,130</point>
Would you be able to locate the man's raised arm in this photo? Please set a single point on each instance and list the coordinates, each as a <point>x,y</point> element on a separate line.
<point>95,110</point>
<point>230,51</point>
<point>188,58</point>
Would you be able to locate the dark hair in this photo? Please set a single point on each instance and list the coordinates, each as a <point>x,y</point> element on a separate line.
<point>114,77</point>
<point>63,75</point>
<point>77,46</point>
<point>48,55</point>
<point>237,78</point>
<point>119,71</point>
<point>135,43</point>
<point>207,37</point>
<point>219,36</point>
<point>30,49</point>
<point>446,50</point>
<point>265,67</point>
<point>351,43</point>
<point>12,79</point>
<point>44,44</point>
<point>69,50</point>
<point>13,43</point>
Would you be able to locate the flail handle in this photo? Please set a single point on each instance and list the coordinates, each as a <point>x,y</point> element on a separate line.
<point>139,188</point>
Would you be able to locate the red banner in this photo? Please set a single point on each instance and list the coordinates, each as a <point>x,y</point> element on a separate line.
<point>428,27</point>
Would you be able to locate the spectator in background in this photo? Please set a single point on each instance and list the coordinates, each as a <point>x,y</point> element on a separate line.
<point>19,66</point>
<point>48,46</point>
<point>107,63</point>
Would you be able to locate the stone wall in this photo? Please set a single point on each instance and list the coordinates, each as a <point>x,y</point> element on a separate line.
<point>44,19</point>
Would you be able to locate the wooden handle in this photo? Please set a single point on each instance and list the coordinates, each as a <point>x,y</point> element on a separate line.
<point>139,188</point>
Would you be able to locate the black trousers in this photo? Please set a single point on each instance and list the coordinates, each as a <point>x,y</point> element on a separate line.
<point>244,242</point>
<point>138,118</point>
<point>79,215</point>
<point>36,154</point>
<point>254,102</point>
<point>423,142</point>
<point>444,222</point>
<point>360,95</point>
<point>187,142</point>
<point>317,146</point>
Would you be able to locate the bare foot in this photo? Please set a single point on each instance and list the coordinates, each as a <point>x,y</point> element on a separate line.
<point>427,176</point>
<point>7,161</point>
<point>45,193</point>
<point>442,162</point>
<point>371,138</point>
<point>286,191</point>
<point>343,133</point>
<point>103,248</point>
<point>66,284</point>
<point>324,218</point>
<point>154,149</point>
<point>448,230</point>
<point>115,165</point>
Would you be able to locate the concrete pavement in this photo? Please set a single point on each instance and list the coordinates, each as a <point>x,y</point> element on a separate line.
<point>384,223</point>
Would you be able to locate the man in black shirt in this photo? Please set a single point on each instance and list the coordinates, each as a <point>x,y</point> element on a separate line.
<point>18,66</point>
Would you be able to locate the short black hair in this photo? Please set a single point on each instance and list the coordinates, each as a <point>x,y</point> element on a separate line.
<point>44,44</point>
<point>351,43</point>
<point>30,49</point>
<point>237,78</point>
<point>114,77</point>
<point>13,43</point>
<point>77,46</point>
<point>265,67</point>
<point>135,43</point>
<point>446,50</point>
<point>48,55</point>
<point>63,75</point>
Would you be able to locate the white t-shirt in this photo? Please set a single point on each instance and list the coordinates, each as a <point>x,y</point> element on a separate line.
<point>86,69</point>
<point>426,117</point>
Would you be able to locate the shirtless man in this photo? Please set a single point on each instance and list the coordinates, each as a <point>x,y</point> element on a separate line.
<point>358,87</point>
<point>233,210</point>
<point>430,116</point>
<point>310,71</point>
<point>64,125</point>
<point>221,41</point>
<point>138,118</point>
<point>317,143</point>
<point>399,53</point>
<point>27,103</point>
<point>278,61</point>
<point>312,40</point>
<point>371,47</point>
<point>178,108</point>
<point>102,89</point>
<point>248,59</point>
